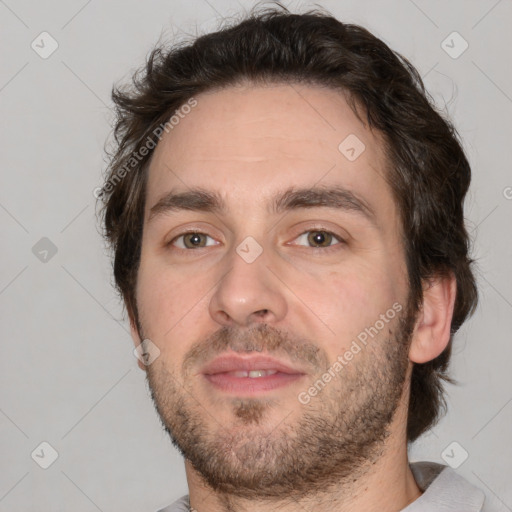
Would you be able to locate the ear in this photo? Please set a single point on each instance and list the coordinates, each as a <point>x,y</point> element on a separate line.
<point>136,338</point>
<point>432,330</point>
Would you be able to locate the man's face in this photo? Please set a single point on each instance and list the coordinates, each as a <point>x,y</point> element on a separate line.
<point>298,284</point>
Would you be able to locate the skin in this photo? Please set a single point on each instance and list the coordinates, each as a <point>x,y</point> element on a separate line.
<point>249,142</point>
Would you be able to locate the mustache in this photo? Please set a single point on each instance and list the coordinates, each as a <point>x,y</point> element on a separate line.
<point>261,338</point>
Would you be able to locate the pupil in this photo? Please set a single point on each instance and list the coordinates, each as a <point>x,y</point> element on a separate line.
<point>195,239</point>
<point>319,238</point>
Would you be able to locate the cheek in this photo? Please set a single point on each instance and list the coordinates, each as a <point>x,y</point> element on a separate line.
<point>349,300</point>
<point>169,306</point>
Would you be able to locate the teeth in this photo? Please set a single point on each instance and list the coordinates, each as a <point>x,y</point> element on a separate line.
<point>260,373</point>
<point>253,373</point>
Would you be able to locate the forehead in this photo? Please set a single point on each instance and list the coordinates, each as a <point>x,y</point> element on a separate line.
<point>253,140</point>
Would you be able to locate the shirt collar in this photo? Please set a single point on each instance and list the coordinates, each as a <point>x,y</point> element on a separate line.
<point>443,490</point>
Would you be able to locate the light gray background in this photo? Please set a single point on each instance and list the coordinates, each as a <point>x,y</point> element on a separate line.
<point>68,375</point>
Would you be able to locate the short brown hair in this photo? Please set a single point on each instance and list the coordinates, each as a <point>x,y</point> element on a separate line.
<point>428,171</point>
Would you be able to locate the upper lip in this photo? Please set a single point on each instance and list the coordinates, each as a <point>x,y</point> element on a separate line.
<point>230,363</point>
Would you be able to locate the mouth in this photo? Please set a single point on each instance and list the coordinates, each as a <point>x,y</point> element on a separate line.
<point>249,375</point>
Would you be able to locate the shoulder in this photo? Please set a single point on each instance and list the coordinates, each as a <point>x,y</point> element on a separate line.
<point>444,490</point>
<point>181,505</point>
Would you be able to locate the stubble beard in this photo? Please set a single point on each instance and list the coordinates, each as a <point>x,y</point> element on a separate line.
<point>339,434</point>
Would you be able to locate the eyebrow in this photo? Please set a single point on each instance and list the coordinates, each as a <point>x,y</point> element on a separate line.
<point>333,196</point>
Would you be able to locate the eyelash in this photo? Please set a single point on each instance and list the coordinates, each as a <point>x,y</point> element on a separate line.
<point>315,230</point>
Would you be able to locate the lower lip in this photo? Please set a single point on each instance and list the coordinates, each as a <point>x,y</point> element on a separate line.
<point>248,386</point>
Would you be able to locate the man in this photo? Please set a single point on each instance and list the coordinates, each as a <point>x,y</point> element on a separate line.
<point>286,210</point>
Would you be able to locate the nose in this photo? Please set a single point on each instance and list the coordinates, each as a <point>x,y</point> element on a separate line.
<point>248,293</point>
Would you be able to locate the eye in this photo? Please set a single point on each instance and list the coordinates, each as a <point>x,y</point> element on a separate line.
<point>319,239</point>
<point>191,240</point>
